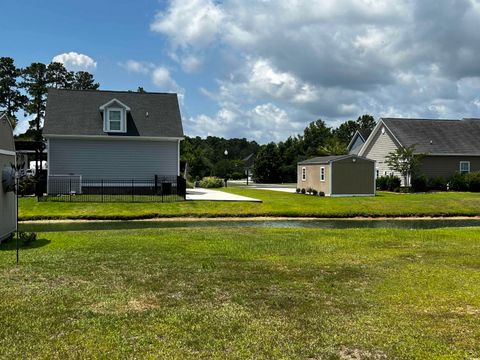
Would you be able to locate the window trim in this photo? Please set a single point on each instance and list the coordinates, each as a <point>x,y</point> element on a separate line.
<point>304,173</point>
<point>106,122</point>
<point>322,173</point>
<point>460,167</point>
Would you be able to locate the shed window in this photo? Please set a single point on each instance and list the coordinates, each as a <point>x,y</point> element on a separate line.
<point>304,173</point>
<point>464,167</point>
<point>322,173</point>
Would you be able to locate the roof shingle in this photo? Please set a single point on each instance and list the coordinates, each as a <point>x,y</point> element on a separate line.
<point>437,136</point>
<point>76,112</point>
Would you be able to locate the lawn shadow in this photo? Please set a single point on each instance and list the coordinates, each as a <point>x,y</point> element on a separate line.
<point>12,245</point>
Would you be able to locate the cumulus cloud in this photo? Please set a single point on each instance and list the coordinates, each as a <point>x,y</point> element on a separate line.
<point>264,122</point>
<point>75,61</point>
<point>139,67</point>
<point>333,59</point>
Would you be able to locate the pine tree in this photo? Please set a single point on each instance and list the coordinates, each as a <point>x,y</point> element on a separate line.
<point>84,81</point>
<point>11,99</point>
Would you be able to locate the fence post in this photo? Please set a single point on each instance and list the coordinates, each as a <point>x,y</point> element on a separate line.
<point>132,191</point>
<point>70,190</point>
<point>156,185</point>
<point>102,190</point>
<point>163,190</point>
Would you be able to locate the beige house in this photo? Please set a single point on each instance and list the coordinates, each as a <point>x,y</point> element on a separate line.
<point>446,146</point>
<point>8,211</point>
<point>341,175</point>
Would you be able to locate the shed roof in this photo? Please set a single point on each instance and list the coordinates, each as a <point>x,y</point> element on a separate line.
<point>77,112</point>
<point>328,159</point>
<point>437,136</point>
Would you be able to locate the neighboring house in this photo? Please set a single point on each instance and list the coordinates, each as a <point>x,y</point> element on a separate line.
<point>358,139</point>
<point>8,211</point>
<point>447,146</point>
<point>339,175</point>
<point>112,135</point>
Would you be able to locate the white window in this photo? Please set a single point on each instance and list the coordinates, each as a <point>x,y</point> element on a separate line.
<point>304,173</point>
<point>115,120</point>
<point>464,167</point>
<point>322,173</point>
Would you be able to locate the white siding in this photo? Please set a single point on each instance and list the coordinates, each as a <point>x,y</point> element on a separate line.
<point>113,159</point>
<point>378,149</point>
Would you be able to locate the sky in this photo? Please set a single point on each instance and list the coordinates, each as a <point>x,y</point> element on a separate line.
<point>264,69</point>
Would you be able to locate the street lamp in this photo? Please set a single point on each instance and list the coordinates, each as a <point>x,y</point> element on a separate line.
<point>226,154</point>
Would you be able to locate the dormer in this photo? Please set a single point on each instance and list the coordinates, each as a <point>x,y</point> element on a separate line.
<point>114,116</point>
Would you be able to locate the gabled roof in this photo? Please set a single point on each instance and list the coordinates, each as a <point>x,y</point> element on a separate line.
<point>77,113</point>
<point>362,133</point>
<point>441,136</point>
<point>114,101</point>
<point>328,159</point>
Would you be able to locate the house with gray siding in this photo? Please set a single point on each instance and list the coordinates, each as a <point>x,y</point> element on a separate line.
<point>446,145</point>
<point>112,135</point>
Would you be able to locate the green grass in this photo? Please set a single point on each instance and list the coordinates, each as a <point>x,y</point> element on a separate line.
<point>265,294</point>
<point>274,204</point>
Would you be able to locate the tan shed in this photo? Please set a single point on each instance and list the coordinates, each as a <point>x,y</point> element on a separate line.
<point>340,175</point>
<point>8,211</point>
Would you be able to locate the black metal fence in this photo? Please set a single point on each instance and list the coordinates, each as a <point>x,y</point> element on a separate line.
<point>75,189</point>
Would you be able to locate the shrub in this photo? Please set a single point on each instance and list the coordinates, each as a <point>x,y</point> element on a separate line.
<point>457,182</point>
<point>419,184</point>
<point>309,190</point>
<point>473,181</point>
<point>388,182</point>
<point>298,190</point>
<point>211,182</point>
<point>303,191</point>
<point>237,176</point>
<point>27,238</point>
<point>314,192</point>
<point>321,193</point>
<point>437,183</point>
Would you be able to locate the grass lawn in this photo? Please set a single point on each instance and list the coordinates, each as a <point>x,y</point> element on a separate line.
<point>265,294</point>
<point>274,204</point>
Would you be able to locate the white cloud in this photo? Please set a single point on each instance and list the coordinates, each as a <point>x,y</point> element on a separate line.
<point>194,22</point>
<point>264,122</point>
<point>75,61</point>
<point>139,67</point>
<point>334,59</point>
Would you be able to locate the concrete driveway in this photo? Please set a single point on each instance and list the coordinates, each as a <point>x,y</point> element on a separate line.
<point>200,194</point>
<point>274,187</point>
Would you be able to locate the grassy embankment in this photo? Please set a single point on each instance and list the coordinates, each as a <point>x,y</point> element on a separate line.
<point>274,204</point>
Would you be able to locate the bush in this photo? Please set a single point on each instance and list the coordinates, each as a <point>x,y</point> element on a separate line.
<point>419,184</point>
<point>211,182</point>
<point>473,181</point>
<point>309,190</point>
<point>437,183</point>
<point>298,190</point>
<point>457,182</point>
<point>303,191</point>
<point>27,238</point>
<point>321,193</point>
<point>237,176</point>
<point>389,182</point>
<point>314,192</point>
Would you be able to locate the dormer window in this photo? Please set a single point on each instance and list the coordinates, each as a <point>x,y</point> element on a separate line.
<point>115,120</point>
<point>114,116</point>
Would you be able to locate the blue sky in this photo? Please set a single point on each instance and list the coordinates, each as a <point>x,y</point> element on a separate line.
<point>264,69</point>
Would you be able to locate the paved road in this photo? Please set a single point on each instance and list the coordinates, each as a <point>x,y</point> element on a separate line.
<point>215,195</point>
<point>289,188</point>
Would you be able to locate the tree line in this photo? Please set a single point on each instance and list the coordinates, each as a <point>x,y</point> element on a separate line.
<point>26,89</point>
<point>274,162</point>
